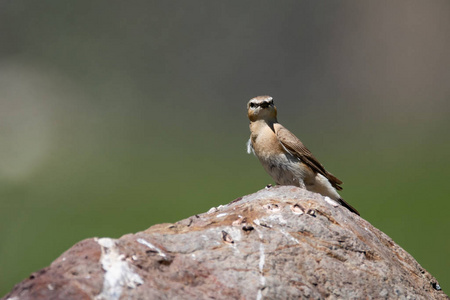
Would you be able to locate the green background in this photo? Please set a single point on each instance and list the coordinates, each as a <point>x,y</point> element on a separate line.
<point>117,115</point>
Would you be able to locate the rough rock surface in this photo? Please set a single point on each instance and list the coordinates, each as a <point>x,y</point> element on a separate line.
<point>279,243</point>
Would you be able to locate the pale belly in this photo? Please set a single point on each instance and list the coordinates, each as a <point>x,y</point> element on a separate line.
<point>289,170</point>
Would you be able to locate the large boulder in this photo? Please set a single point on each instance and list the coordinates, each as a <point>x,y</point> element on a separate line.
<point>279,243</point>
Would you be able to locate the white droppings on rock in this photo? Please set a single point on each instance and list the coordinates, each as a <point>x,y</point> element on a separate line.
<point>118,273</point>
<point>152,247</point>
<point>262,260</point>
<point>221,215</point>
<point>289,236</point>
<point>212,210</point>
<point>259,295</point>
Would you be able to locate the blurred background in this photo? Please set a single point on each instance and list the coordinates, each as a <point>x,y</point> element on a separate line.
<point>118,115</point>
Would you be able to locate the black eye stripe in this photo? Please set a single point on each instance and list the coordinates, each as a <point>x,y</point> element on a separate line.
<point>264,104</point>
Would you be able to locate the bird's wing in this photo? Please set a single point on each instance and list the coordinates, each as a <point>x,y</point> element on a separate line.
<point>295,147</point>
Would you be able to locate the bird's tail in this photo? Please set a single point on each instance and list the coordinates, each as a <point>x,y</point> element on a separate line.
<point>335,182</point>
<point>348,206</point>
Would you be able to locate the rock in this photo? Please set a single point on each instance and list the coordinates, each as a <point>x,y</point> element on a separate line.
<point>279,243</point>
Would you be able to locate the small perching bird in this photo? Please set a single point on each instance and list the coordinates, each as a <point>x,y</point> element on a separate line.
<point>284,156</point>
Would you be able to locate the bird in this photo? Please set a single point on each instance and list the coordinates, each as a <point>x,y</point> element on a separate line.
<point>284,156</point>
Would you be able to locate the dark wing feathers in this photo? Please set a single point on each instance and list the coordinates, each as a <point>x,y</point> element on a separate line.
<point>348,206</point>
<point>296,148</point>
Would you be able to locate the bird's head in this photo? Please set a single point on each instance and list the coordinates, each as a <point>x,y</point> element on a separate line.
<point>262,108</point>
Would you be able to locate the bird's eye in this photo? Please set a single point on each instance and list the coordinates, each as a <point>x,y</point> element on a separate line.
<point>252,104</point>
